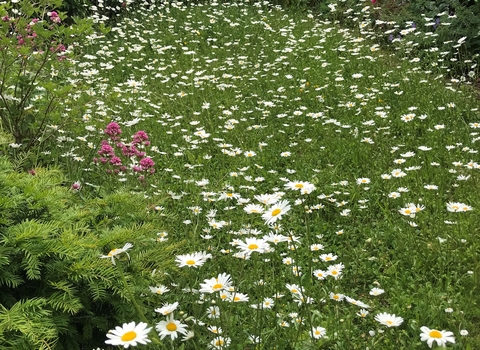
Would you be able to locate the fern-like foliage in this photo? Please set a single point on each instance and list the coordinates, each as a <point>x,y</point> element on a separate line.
<point>55,290</point>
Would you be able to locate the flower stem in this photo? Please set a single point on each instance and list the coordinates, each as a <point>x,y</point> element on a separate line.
<point>140,313</point>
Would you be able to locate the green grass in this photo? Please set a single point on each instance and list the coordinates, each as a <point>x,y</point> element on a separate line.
<point>259,78</point>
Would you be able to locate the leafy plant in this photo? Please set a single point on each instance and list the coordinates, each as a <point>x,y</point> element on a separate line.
<point>35,54</point>
<point>55,290</point>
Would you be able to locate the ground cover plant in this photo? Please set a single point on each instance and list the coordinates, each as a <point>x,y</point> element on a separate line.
<point>322,189</point>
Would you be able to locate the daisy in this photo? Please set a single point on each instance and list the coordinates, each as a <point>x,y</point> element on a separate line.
<point>320,274</point>
<point>408,211</point>
<point>293,288</point>
<point>398,173</point>
<point>215,329</point>
<point>192,260</point>
<point>267,199</point>
<point>117,251</point>
<point>335,270</point>
<point>170,327</point>
<point>188,335</point>
<point>213,312</point>
<point>159,290</point>
<point>357,302</point>
<point>302,186</point>
<point>376,291</point>
<point>363,181</point>
<point>129,334</point>
<point>238,297</point>
<point>268,303</point>
<point>229,195</point>
<point>253,245</point>
<point>337,296</point>
<point>328,257</point>
<point>253,209</point>
<point>275,238</point>
<point>315,247</point>
<point>318,332</point>
<point>389,320</point>
<point>362,313</point>
<point>275,212</point>
<point>220,343</point>
<point>458,207</point>
<point>432,335</point>
<point>167,309</point>
<point>222,282</point>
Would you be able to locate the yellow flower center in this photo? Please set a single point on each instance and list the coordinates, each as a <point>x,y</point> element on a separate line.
<point>328,258</point>
<point>435,334</point>
<point>334,272</point>
<point>253,246</point>
<point>236,299</point>
<point>129,336</point>
<point>298,185</point>
<point>172,327</point>
<point>336,297</point>
<point>294,291</point>
<point>217,286</point>
<point>219,342</point>
<point>389,322</point>
<point>112,252</point>
<point>190,262</point>
<point>276,212</point>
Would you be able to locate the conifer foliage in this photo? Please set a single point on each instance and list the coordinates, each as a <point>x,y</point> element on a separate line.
<point>55,290</point>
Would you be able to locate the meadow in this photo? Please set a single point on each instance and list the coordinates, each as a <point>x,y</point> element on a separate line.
<point>320,183</point>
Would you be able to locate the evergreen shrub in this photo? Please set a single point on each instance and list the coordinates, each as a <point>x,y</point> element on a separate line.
<point>56,290</point>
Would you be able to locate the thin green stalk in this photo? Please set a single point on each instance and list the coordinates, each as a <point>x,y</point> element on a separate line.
<point>140,314</point>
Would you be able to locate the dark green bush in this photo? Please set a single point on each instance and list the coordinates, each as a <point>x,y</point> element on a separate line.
<point>55,290</point>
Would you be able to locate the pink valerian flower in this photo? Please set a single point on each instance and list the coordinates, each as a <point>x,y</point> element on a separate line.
<point>113,130</point>
<point>106,149</point>
<point>141,137</point>
<point>54,17</point>
<point>128,151</point>
<point>116,161</point>
<point>147,163</point>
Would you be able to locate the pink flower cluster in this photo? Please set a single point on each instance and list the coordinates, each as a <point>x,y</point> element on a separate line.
<point>54,17</point>
<point>27,35</point>
<point>115,161</point>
